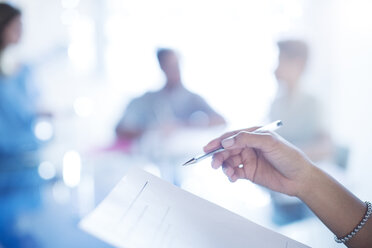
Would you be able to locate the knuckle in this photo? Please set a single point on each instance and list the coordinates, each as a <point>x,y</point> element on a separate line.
<point>271,140</point>
<point>242,136</point>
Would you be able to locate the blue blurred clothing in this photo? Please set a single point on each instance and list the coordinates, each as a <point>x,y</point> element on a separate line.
<point>17,113</point>
<point>302,115</point>
<point>19,194</point>
<point>304,123</point>
<point>166,106</point>
<point>19,179</point>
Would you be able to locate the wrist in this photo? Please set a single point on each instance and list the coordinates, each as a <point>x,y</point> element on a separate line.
<point>307,181</point>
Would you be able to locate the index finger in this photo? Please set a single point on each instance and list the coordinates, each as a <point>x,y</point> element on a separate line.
<point>216,143</point>
<point>219,158</point>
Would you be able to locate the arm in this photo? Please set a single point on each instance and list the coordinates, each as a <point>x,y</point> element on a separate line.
<point>204,120</point>
<point>336,207</point>
<point>214,118</point>
<point>272,162</point>
<point>132,124</point>
<point>123,133</point>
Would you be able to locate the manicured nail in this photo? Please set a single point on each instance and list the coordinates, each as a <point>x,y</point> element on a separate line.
<point>229,172</point>
<point>226,143</point>
<point>233,179</point>
<point>216,163</point>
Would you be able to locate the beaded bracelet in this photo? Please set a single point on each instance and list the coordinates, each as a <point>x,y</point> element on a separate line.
<point>358,227</point>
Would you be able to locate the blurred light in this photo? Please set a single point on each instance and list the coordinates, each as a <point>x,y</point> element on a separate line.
<point>43,130</point>
<point>70,4</point>
<point>61,193</point>
<point>83,106</point>
<point>69,16</point>
<point>294,9</point>
<point>47,170</point>
<point>86,195</point>
<point>356,16</point>
<point>71,168</point>
<point>82,50</point>
<point>80,56</point>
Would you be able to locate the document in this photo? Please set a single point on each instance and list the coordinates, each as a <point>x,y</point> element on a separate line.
<point>144,211</point>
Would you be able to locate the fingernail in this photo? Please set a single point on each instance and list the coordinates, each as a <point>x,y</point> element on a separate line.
<point>215,163</point>
<point>233,179</point>
<point>226,143</point>
<point>229,172</point>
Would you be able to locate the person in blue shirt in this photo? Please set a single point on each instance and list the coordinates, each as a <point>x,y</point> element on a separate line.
<point>19,179</point>
<point>172,106</point>
<point>17,114</point>
<point>17,97</point>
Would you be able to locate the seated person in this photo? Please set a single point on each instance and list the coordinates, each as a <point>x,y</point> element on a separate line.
<point>19,178</point>
<point>301,113</point>
<point>170,107</point>
<point>303,123</point>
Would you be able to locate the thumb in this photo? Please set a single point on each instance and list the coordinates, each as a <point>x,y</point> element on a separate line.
<point>262,141</point>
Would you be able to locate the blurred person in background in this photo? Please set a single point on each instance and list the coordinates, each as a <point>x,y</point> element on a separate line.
<point>19,179</point>
<point>18,111</point>
<point>169,108</point>
<point>156,120</point>
<point>304,123</point>
<point>301,112</point>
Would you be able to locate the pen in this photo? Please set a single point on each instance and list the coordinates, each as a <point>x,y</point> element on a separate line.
<point>270,127</point>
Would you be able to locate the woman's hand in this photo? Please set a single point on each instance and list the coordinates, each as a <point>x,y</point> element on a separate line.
<point>272,162</point>
<point>263,158</point>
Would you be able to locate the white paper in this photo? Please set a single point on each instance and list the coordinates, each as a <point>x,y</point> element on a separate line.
<point>144,211</point>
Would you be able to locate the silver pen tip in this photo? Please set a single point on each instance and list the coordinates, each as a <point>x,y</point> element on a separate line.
<point>191,161</point>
